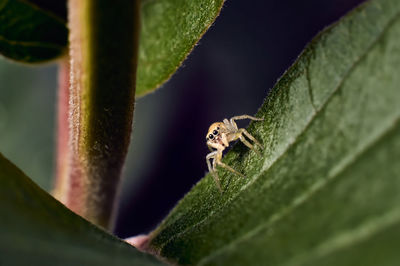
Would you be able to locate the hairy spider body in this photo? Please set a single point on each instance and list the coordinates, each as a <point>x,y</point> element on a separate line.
<point>219,135</point>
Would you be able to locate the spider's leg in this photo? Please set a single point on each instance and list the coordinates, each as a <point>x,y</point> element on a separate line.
<point>212,169</point>
<point>210,156</point>
<point>248,144</point>
<point>240,117</point>
<point>247,134</point>
<point>229,168</point>
<point>209,147</point>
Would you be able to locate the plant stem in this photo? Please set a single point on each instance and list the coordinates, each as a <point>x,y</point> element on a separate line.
<point>103,59</point>
<point>61,182</point>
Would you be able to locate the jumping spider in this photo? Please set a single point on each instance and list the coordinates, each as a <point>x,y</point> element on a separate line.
<point>219,135</point>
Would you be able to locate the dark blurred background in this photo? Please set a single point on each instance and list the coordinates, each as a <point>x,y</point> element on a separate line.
<point>229,73</point>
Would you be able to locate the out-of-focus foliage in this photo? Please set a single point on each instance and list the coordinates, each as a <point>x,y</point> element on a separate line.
<point>35,31</point>
<point>36,229</point>
<point>27,118</point>
<point>30,34</point>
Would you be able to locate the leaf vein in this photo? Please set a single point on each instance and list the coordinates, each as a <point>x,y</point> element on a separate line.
<point>350,237</point>
<point>31,44</point>
<point>310,88</point>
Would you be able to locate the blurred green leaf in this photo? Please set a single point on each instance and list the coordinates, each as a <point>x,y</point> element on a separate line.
<point>36,229</point>
<point>170,30</point>
<point>30,34</point>
<point>326,190</point>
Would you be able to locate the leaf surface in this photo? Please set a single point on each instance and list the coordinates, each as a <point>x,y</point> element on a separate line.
<point>170,30</point>
<point>30,34</point>
<point>326,189</point>
<point>36,229</point>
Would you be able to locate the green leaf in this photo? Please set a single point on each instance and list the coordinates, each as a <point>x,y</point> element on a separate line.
<point>30,34</point>
<point>326,190</point>
<point>170,30</point>
<point>36,229</point>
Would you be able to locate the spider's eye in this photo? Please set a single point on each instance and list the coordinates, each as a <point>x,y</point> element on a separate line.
<point>217,128</point>
<point>215,132</point>
<point>211,136</point>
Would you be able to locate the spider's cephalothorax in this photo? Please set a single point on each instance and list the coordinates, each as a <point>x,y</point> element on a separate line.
<point>219,136</point>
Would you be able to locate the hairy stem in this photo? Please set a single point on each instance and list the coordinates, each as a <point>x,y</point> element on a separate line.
<point>103,60</point>
<point>61,182</point>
